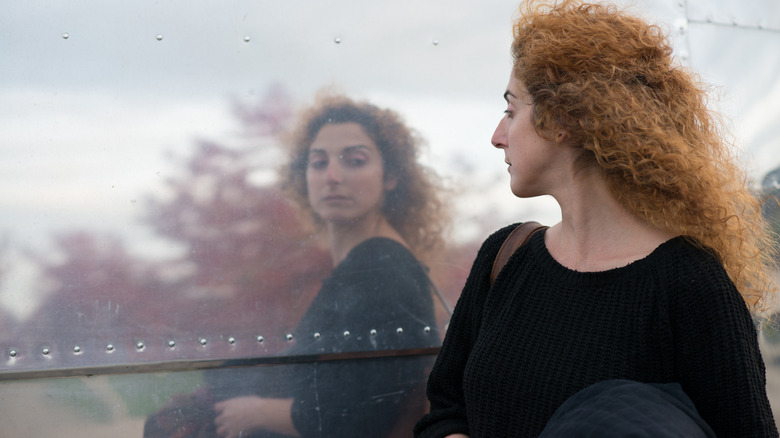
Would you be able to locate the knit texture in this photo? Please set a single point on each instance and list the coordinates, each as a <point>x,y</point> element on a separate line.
<point>515,352</point>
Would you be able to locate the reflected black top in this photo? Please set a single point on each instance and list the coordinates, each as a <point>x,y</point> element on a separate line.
<point>515,352</point>
<point>379,288</point>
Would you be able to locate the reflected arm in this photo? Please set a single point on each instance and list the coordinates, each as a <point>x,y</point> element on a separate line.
<point>238,416</point>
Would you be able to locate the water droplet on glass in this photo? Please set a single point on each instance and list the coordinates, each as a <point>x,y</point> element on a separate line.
<point>289,337</point>
<point>77,349</point>
<point>346,333</point>
<point>139,345</point>
<point>427,329</point>
<point>109,347</point>
<point>12,353</point>
<point>159,37</point>
<point>260,339</point>
<point>232,340</point>
<point>316,336</point>
<point>399,330</point>
<point>337,40</point>
<point>435,42</point>
<point>171,344</point>
<point>247,39</point>
<point>203,341</point>
<point>65,35</point>
<point>373,332</point>
<point>45,351</point>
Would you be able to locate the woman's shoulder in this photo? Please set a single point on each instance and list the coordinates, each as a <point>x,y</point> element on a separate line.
<point>497,238</point>
<point>378,253</point>
<point>696,275</point>
<point>689,259</point>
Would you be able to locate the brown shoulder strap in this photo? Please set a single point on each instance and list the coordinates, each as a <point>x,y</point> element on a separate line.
<point>517,238</point>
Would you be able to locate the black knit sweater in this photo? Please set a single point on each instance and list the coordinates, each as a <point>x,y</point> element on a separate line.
<point>515,352</point>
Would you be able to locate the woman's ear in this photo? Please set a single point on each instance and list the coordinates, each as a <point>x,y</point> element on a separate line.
<point>391,181</point>
<point>561,136</point>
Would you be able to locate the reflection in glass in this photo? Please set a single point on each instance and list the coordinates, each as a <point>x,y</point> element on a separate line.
<point>353,168</point>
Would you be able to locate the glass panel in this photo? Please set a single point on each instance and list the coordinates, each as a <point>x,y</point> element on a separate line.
<point>367,397</point>
<point>143,227</point>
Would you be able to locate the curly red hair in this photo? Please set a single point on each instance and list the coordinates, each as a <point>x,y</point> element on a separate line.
<point>609,79</point>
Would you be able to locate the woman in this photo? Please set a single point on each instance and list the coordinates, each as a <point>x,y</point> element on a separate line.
<point>658,260</point>
<point>353,167</point>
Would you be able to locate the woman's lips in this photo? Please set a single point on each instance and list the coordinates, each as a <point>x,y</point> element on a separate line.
<point>335,198</point>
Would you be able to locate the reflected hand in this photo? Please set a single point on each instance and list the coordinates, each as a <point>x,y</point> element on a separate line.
<point>237,417</point>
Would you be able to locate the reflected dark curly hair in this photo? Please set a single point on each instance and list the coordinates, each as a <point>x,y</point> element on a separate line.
<point>413,207</point>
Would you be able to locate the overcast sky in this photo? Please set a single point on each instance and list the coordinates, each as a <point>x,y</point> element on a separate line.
<point>93,92</point>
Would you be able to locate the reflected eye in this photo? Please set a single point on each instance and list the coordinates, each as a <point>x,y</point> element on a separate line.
<point>318,163</point>
<point>354,159</point>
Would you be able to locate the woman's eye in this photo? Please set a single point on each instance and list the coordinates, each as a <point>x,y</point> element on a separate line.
<point>508,113</point>
<point>354,160</point>
<point>318,164</point>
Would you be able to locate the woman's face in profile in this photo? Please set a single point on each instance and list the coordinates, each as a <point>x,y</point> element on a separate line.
<point>345,176</point>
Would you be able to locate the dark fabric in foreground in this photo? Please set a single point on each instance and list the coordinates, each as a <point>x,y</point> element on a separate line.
<point>624,408</point>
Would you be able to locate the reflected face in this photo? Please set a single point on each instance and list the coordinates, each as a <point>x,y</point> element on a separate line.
<point>531,158</point>
<point>345,176</point>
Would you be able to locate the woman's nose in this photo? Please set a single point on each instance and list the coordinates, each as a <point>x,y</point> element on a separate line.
<point>333,173</point>
<point>499,135</point>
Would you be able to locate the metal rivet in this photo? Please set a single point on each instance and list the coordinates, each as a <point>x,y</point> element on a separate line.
<point>289,337</point>
<point>316,336</point>
<point>399,330</point>
<point>346,333</point>
<point>159,37</point>
<point>139,345</point>
<point>373,332</point>
<point>232,340</point>
<point>427,329</point>
<point>246,38</point>
<point>260,338</point>
<point>65,36</point>
<point>45,351</point>
<point>337,40</point>
<point>12,353</point>
<point>77,349</point>
<point>171,344</point>
<point>203,341</point>
<point>109,347</point>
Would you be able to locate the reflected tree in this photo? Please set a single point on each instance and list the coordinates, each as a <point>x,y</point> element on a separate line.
<point>247,260</point>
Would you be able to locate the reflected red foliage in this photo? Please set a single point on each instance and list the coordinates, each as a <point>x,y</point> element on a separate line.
<point>247,262</point>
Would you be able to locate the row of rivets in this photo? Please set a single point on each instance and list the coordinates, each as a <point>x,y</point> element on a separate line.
<point>759,25</point>
<point>203,341</point>
<point>247,38</point>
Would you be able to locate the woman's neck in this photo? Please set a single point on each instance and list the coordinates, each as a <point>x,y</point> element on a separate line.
<point>596,232</point>
<point>343,237</point>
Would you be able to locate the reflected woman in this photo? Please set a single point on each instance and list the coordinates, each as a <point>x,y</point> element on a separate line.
<point>353,167</point>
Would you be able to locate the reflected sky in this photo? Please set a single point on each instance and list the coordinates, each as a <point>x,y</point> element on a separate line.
<point>92,93</point>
